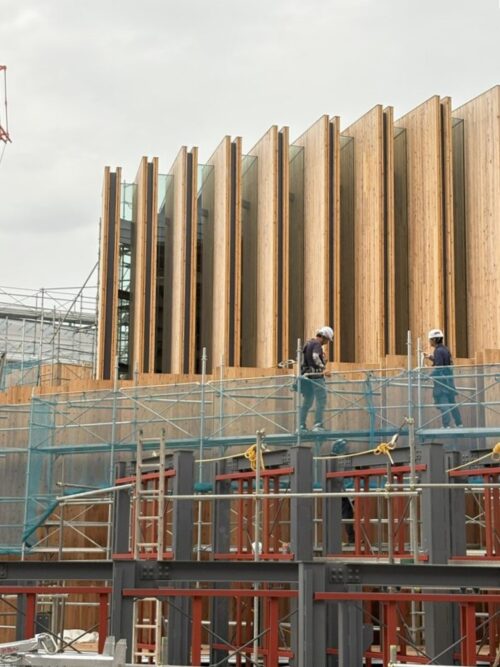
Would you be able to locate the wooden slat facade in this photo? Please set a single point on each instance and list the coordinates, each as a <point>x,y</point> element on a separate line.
<point>377,229</point>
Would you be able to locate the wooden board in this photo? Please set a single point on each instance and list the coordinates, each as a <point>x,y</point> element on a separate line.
<point>266,152</point>
<point>482,215</point>
<point>369,237</point>
<point>317,282</point>
<point>221,162</point>
<point>108,275</point>
<point>389,244</point>
<point>334,254</point>
<point>143,311</point>
<point>183,262</point>
<point>425,217</point>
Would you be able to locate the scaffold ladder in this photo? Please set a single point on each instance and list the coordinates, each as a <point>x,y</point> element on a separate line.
<point>147,631</point>
<point>149,502</point>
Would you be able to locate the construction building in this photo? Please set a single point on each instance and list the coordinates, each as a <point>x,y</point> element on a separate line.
<point>166,496</point>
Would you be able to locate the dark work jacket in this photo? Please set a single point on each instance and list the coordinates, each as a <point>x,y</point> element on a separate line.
<point>442,363</point>
<point>310,366</point>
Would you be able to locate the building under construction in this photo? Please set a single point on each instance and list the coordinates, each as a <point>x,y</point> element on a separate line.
<point>166,496</point>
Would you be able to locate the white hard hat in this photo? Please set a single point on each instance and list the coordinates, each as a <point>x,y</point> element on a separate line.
<point>326,332</point>
<point>435,333</point>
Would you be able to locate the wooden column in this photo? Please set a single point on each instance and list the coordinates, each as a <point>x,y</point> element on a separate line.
<point>482,213</point>
<point>108,275</point>
<point>317,281</point>
<point>144,251</point>
<point>183,259</point>
<point>369,237</point>
<point>425,217</point>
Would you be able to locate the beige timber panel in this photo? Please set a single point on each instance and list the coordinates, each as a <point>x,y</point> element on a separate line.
<point>235,323</point>
<point>144,273</point>
<point>266,152</point>
<point>316,225</point>
<point>449,269</point>
<point>221,162</point>
<point>389,242</point>
<point>183,262</point>
<point>108,274</point>
<point>285,345</point>
<point>425,216</point>
<point>368,135</point>
<point>335,275</point>
<point>482,214</point>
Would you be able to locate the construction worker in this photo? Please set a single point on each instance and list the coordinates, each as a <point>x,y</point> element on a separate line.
<point>313,372</point>
<point>443,391</point>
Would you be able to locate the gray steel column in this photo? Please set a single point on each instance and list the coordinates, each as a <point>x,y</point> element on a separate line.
<point>121,624</point>
<point>179,609</point>
<point>219,607</point>
<point>182,521</point>
<point>352,635</point>
<point>332,513</point>
<point>439,619</point>
<point>309,626</point>
<point>301,509</point>
<point>435,506</point>
<point>179,629</point>
<point>457,516</point>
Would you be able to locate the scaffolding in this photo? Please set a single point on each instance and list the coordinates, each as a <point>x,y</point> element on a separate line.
<point>153,459</point>
<point>47,335</point>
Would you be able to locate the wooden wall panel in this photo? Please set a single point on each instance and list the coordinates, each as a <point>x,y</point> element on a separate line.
<point>266,152</point>
<point>225,258</point>
<point>221,162</point>
<point>284,344</point>
<point>317,282</point>
<point>425,217</point>
<point>449,269</point>
<point>108,275</point>
<point>368,135</point>
<point>143,312</point>
<point>389,244</point>
<point>482,214</point>
<point>183,259</point>
<point>335,274</point>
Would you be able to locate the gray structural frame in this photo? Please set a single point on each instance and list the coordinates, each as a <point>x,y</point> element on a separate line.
<point>316,625</point>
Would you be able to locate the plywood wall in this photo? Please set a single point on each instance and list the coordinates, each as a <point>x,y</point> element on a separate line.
<point>425,216</point>
<point>481,118</point>
<point>369,297</point>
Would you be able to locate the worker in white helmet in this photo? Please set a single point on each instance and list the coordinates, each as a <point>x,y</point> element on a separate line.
<point>313,371</point>
<point>443,391</point>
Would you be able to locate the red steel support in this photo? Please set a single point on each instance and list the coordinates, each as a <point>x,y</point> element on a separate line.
<point>390,630</point>
<point>273,633</point>
<point>29,619</point>
<point>196,631</point>
<point>103,621</point>
<point>468,632</point>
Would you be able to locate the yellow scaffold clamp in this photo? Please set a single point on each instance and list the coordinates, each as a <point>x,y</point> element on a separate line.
<point>387,447</point>
<point>495,454</point>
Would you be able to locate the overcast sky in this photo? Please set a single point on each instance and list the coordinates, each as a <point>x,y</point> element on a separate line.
<point>103,82</point>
